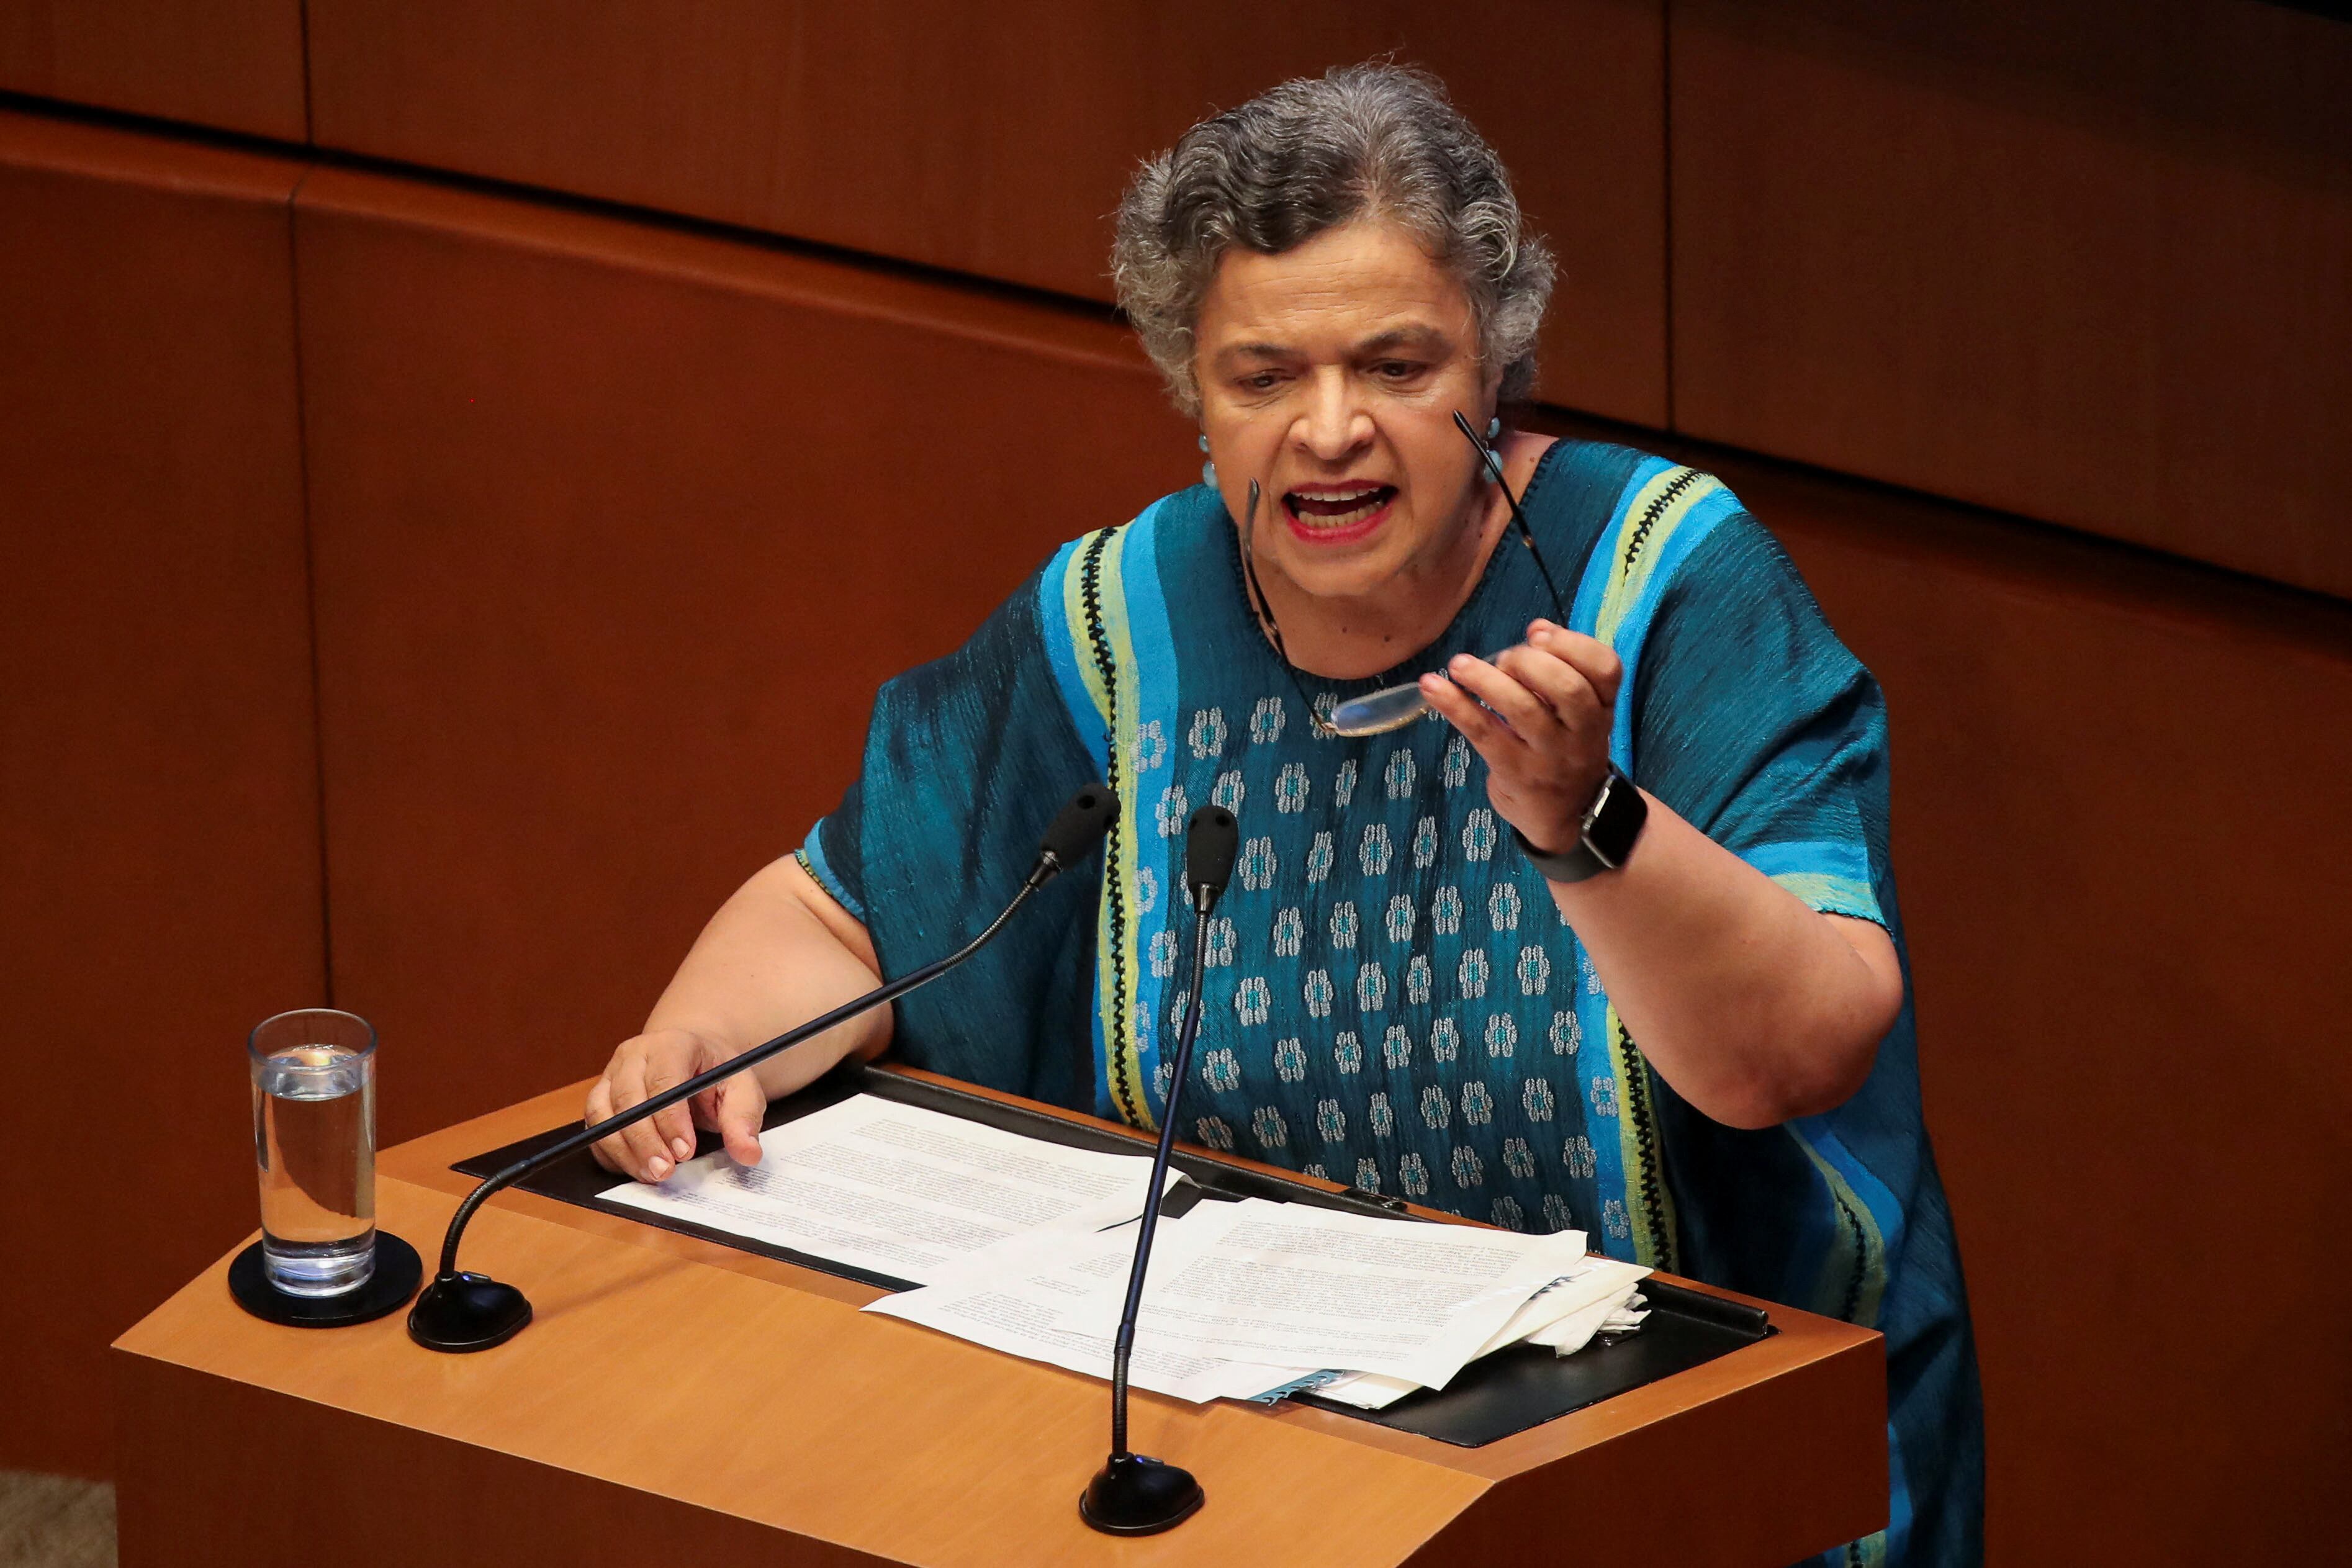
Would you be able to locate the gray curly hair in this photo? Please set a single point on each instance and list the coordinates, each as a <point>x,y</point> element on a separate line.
<point>1310,155</point>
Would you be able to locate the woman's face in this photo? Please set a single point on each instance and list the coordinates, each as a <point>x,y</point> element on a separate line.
<point>1331,374</point>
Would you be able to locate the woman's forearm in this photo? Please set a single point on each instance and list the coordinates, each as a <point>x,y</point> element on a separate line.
<point>1755,1007</point>
<point>777,953</point>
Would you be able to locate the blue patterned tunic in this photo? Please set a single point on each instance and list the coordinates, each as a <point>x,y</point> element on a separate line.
<point>1393,998</point>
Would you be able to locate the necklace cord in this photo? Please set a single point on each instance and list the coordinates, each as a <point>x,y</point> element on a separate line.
<point>1264,609</point>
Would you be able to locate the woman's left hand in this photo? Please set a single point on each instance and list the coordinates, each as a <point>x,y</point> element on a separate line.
<point>1556,695</point>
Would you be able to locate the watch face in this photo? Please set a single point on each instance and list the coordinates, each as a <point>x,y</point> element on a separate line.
<point>1618,819</point>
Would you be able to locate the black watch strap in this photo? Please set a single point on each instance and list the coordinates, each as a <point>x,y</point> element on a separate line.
<point>1610,827</point>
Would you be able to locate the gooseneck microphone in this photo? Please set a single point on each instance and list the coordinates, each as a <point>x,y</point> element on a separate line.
<point>464,1311</point>
<point>1133,1494</point>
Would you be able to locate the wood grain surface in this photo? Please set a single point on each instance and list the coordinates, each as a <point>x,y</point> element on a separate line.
<point>2084,261</point>
<point>996,139</point>
<point>158,809</point>
<point>236,65</point>
<point>739,1386</point>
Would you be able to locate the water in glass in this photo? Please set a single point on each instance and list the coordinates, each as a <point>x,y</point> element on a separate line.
<point>314,1113</point>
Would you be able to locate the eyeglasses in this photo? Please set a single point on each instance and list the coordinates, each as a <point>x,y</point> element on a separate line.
<point>1393,707</point>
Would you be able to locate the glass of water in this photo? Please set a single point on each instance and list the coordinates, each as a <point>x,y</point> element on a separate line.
<point>314,1136</point>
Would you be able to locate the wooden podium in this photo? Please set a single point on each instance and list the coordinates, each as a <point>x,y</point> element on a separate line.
<point>677,1402</point>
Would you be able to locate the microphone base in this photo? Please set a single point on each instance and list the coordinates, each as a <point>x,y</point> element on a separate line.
<point>462,1313</point>
<point>1133,1495</point>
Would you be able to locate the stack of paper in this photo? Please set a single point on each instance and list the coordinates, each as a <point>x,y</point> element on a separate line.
<point>1251,1298</point>
<point>1603,1295</point>
<point>1025,1247</point>
<point>896,1190</point>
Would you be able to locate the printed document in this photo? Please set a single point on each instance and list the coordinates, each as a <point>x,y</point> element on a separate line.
<point>1601,1292</point>
<point>1055,1298</point>
<point>896,1189</point>
<point>1289,1285</point>
<point>1284,1290</point>
<point>1025,1247</point>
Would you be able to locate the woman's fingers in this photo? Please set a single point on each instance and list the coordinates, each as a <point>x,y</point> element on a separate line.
<point>1590,658</point>
<point>1517,707</point>
<point>616,1154</point>
<point>1540,722</point>
<point>651,1065</point>
<point>1488,735</point>
<point>673,1127</point>
<point>608,1152</point>
<point>646,1160</point>
<point>1561,686</point>
<point>741,1105</point>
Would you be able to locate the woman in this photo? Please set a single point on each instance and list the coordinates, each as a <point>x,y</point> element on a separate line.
<point>1443,942</point>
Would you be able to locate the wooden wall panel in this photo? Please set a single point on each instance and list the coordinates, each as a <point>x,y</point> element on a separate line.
<point>617,532</point>
<point>233,64</point>
<point>2087,262</point>
<point>159,828</point>
<point>2122,802</point>
<point>996,140</point>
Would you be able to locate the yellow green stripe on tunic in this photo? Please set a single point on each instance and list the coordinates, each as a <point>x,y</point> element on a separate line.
<point>1118,954</point>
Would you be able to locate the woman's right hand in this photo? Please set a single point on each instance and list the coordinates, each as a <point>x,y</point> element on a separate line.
<point>662,1059</point>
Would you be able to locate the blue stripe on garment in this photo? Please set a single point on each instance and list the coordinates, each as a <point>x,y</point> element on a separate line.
<point>1845,858</point>
<point>1584,613</point>
<point>1885,1213</point>
<point>1596,1064</point>
<point>1687,533</point>
<point>1060,630</point>
<point>1150,685</point>
<point>1062,654</point>
<point>1612,1230</point>
<point>812,861</point>
<point>1835,896</point>
<point>1830,875</point>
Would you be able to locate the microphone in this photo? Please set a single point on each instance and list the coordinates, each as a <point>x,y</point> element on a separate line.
<point>463,1312</point>
<point>1209,846</point>
<point>1133,1494</point>
<point>1072,836</point>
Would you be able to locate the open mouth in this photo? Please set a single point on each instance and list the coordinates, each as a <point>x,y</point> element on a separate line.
<point>1333,513</point>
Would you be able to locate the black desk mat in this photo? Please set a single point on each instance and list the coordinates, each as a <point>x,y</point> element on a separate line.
<point>1491,1398</point>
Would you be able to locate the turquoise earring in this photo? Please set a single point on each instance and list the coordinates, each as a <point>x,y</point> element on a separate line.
<point>1208,470</point>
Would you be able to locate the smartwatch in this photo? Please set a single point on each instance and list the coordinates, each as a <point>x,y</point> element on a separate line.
<point>1604,839</point>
